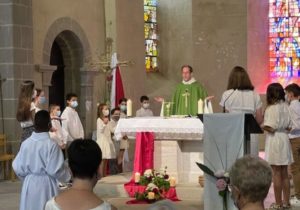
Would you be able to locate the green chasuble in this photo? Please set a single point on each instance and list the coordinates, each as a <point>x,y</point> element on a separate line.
<point>185,99</point>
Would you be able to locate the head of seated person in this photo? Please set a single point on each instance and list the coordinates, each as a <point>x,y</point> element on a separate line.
<point>84,158</point>
<point>250,180</point>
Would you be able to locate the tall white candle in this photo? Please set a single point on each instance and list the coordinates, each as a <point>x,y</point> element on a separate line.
<point>200,106</point>
<point>129,108</point>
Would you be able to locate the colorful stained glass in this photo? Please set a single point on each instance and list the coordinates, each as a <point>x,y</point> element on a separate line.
<point>284,40</point>
<point>151,38</point>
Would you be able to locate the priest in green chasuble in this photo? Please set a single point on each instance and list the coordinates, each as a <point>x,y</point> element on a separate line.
<point>186,95</point>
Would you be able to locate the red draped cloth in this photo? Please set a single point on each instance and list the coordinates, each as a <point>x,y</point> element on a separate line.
<point>143,160</point>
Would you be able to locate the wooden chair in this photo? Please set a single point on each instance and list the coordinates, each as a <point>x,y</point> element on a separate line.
<point>6,158</point>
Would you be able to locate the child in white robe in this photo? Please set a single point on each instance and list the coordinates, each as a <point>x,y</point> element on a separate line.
<point>145,110</point>
<point>40,165</point>
<point>71,122</point>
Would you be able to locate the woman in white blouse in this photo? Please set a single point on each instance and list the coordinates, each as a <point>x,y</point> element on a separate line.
<point>84,161</point>
<point>240,97</point>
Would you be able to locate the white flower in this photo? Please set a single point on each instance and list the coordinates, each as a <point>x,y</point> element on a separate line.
<point>151,186</point>
<point>226,175</point>
<point>220,173</point>
<point>148,173</point>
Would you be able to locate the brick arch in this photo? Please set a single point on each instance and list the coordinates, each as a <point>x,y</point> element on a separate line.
<point>59,26</point>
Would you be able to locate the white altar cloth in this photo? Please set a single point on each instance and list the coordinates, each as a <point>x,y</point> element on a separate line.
<point>164,128</point>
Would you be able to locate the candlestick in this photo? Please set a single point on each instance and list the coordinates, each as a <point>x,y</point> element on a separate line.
<point>137,177</point>
<point>129,108</point>
<point>200,106</point>
<point>172,182</point>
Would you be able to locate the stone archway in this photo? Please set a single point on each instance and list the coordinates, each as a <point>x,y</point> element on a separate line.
<point>75,48</point>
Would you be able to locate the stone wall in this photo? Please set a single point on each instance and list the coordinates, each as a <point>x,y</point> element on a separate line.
<point>16,61</point>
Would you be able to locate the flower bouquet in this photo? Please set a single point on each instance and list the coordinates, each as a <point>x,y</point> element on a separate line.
<point>156,185</point>
<point>222,182</point>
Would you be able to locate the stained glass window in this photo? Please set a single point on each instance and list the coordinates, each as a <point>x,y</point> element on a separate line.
<point>151,39</point>
<point>284,40</point>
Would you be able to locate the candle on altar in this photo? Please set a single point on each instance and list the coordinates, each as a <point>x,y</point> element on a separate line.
<point>129,108</point>
<point>137,177</point>
<point>151,195</point>
<point>172,182</point>
<point>200,106</point>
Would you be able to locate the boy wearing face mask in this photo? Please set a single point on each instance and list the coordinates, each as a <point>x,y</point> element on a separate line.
<point>71,123</point>
<point>292,92</point>
<point>58,134</point>
<point>104,138</point>
<point>123,107</point>
<point>144,111</point>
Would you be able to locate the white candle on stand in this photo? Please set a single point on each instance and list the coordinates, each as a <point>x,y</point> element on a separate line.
<point>200,106</point>
<point>137,177</point>
<point>129,108</point>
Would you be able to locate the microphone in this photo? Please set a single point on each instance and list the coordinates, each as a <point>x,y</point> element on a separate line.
<point>224,109</point>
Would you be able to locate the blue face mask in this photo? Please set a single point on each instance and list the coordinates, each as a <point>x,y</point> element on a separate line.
<point>42,100</point>
<point>74,104</point>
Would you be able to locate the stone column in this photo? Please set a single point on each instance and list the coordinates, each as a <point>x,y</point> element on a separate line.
<point>47,71</point>
<point>16,54</point>
<point>86,100</point>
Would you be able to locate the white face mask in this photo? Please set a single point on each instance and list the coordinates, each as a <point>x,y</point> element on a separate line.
<point>74,104</point>
<point>58,113</point>
<point>105,112</point>
<point>146,105</point>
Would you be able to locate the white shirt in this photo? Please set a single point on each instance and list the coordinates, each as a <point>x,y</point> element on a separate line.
<point>60,136</point>
<point>52,205</point>
<point>237,101</point>
<point>72,124</point>
<point>144,112</point>
<point>294,111</point>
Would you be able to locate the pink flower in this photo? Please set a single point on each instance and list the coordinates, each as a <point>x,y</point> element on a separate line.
<point>221,184</point>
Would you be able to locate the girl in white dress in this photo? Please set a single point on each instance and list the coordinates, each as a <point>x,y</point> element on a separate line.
<point>278,151</point>
<point>84,161</point>
<point>104,140</point>
<point>240,97</point>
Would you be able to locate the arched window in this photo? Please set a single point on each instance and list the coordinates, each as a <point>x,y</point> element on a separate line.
<point>151,41</point>
<point>284,40</point>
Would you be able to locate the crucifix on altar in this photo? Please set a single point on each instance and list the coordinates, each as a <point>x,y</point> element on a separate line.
<point>104,63</point>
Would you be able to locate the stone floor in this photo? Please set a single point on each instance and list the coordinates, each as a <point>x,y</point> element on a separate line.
<point>10,195</point>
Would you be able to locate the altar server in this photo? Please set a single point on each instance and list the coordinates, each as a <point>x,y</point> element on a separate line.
<point>145,110</point>
<point>71,122</point>
<point>40,165</point>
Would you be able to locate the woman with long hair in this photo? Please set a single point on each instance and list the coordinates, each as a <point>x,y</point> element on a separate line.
<point>26,109</point>
<point>240,97</point>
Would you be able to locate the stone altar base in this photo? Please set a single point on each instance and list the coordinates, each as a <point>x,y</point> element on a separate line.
<point>111,189</point>
<point>179,156</point>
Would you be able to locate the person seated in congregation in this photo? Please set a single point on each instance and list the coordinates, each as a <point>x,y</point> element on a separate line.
<point>240,97</point>
<point>250,180</point>
<point>40,165</point>
<point>145,110</point>
<point>104,139</point>
<point>84,161</point>
<point>186,95</point>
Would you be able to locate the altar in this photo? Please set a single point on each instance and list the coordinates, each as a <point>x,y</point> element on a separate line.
<point>178,143</point>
